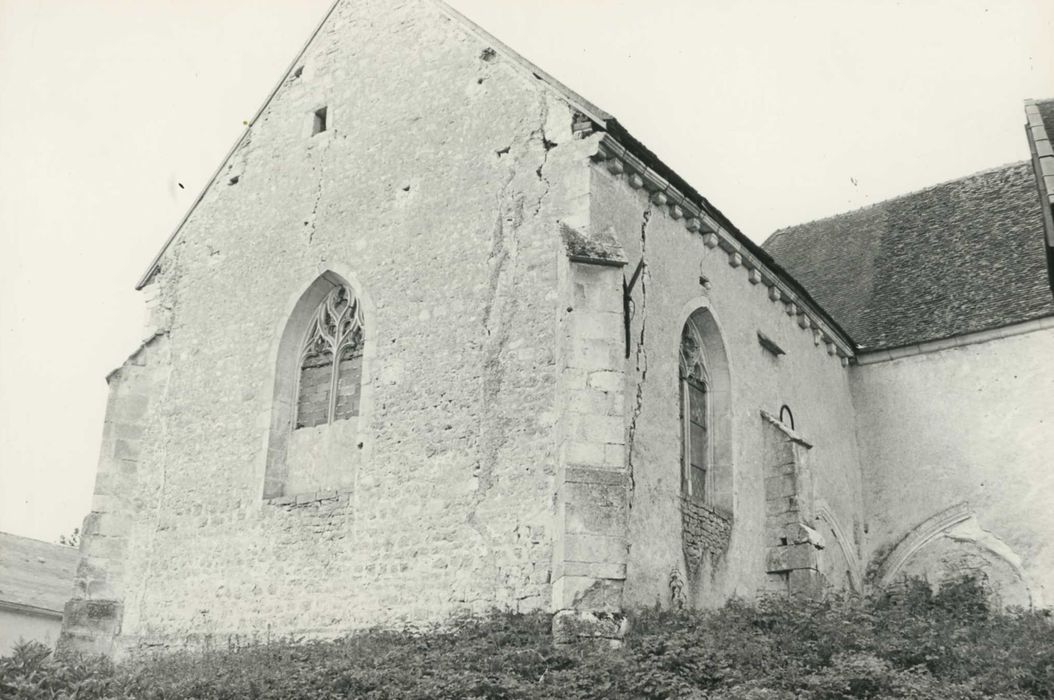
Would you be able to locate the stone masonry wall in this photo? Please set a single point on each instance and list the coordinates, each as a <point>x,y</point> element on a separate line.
<point>92,618</point>
<point>589,564</point>
<point>985,454</point>
<point>435,192</point>
<point>682,274</point>
<point>793,560</point>
<point>704,530</point>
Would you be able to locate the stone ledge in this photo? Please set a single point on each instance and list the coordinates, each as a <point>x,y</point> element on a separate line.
<point>791,434</point>
<point>308,499</point>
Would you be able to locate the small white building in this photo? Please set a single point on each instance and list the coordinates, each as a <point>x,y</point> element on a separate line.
<point>35,582</point>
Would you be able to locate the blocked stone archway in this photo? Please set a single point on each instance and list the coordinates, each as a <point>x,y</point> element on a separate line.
<point>951,545</point>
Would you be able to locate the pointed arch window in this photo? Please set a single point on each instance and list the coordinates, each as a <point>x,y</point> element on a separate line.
<point>696,455</point>
<point>330,377</point>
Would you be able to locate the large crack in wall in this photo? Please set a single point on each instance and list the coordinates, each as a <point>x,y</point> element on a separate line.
<point>310,223</point>
<point>642,350</point>
<point>499,312</point>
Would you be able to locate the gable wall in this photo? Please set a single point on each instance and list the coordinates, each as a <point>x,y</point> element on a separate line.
<point>808,379</point>
<point>431,193</point>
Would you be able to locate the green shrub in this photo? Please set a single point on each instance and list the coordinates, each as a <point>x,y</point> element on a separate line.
<point>912,644</point>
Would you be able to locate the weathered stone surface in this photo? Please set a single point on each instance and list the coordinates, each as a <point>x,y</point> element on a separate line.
<point>435,193</point>
<point>963,424</point>
<point>704,529</point>
<point>574,627</point>
<point>90,626</point>
<point>519,440</point>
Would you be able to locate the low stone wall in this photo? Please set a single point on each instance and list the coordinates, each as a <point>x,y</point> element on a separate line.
<point>705,529</point>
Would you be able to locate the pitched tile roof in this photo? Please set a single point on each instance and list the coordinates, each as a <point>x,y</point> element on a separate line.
<point>955,258</point>
<point>35,573</point>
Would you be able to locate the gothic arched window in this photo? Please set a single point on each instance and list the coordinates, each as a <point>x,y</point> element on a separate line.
<point>696,456</point>
<point>328,386</point>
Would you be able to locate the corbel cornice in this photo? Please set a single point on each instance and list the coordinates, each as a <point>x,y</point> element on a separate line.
<point>623,164</point>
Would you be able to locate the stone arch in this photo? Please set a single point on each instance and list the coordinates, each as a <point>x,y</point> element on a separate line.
<point>700,318</point>
<point>285,367</point>
<point>918,537</point>
<point>854,567</point>
<point>951,544</point>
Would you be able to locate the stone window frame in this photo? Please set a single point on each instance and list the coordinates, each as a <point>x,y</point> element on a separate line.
<point>721,477</point>
<point>309,128</point>
<point>693,373</point>
<point>338,329</point>
<point>288,338</point>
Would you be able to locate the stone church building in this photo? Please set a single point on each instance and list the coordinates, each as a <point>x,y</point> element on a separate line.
<point>442,336</point>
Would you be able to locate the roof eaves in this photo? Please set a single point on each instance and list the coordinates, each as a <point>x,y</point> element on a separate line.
<point>27,609</point>
<point>601,118</point>
<point>607,122</point>
<point>652,161</point>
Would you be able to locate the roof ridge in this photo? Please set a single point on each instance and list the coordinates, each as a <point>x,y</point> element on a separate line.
<point>912,193</point>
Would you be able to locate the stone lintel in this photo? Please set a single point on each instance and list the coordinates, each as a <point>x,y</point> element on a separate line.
<point>790,557</point>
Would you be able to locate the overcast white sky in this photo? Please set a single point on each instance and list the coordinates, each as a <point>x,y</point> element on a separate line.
<point>778,111</point>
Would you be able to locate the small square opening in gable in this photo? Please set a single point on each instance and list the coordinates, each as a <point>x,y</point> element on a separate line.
<point>319,121</point>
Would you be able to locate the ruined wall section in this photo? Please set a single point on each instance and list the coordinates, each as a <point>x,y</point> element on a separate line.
<point>435,192</point>
<point>956,445</point>
<point>133,434</point>
<point>682,274</point>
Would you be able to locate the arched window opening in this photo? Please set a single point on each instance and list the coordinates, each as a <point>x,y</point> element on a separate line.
<point>320,391</point>
<point>331,362</point>
<point>696,454</point>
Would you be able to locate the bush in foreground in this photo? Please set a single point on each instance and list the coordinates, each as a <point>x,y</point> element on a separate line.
<point>914,645</point>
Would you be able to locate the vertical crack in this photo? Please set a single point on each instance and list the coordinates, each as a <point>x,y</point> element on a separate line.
<point>642,351</point>
<point>310,223</point>
<point>499,310</point>
<point>547,146</point>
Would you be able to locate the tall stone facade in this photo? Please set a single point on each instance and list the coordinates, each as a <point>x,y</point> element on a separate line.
<point>419,349</point>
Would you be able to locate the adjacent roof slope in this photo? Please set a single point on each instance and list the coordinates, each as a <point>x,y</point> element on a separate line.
<point>36,574</point>
<point>955,258</point>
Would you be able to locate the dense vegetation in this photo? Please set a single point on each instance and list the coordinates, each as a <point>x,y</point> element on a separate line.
<point>913,645</point>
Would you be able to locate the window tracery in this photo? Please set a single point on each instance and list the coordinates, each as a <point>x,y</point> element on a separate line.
<point>331,362</point>
<point>695,419</point>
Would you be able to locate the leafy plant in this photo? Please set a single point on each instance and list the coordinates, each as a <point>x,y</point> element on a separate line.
<point>911,644</point>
